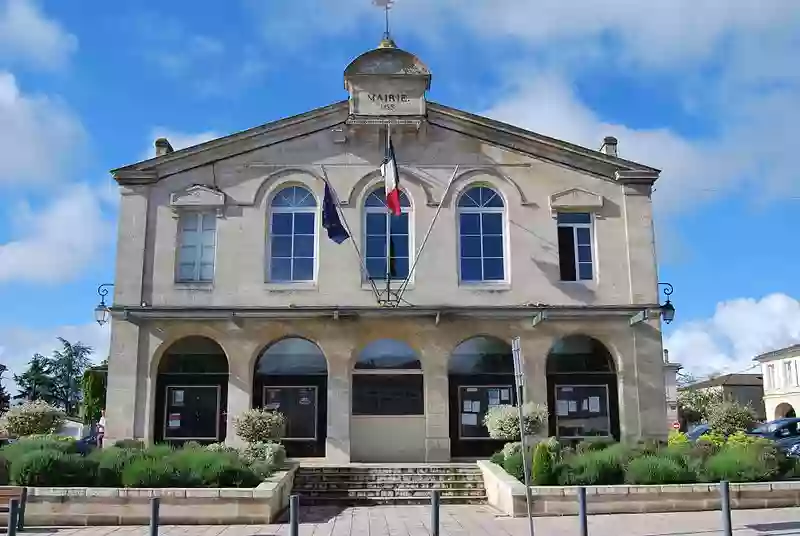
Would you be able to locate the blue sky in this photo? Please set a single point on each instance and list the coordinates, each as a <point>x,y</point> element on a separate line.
<point>708,91</point>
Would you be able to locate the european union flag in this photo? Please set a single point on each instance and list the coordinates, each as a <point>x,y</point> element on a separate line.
<point>330,218</point>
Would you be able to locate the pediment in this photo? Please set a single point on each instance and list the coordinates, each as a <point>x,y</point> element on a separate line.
<point>576,199</point>
<point>197,196</point>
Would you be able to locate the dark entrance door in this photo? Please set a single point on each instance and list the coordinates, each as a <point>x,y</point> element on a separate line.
<point>191,413</point>
<point>481,375</point>
<point>291,377</point>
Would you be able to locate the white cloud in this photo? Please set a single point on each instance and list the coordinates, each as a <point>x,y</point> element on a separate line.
<point>18,344</point>
<point>178,139</point>
<point>39,135</point>
<point>738,331</point>
<point>27,35</point>
<point>56,243</point>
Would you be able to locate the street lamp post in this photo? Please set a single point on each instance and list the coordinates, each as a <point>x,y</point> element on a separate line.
<point>101,312</point>
<point>519,380</point>
<point>667,309</point>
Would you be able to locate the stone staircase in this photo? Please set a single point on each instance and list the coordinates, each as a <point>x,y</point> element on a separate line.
<point>365,484</point>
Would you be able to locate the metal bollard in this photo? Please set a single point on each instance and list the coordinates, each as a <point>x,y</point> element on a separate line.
<point>22,504</point>
<point>725,505</point>
<point>294,515</point>
<point>583,518</point>
<point>435,501</point>
<point>155,503</point>
<point>13,513</point>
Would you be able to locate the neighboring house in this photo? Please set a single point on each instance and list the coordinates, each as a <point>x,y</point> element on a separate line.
<point>72,428</point>
<point>230,295</point>
<point>781,371</point>
<point>745,389</point>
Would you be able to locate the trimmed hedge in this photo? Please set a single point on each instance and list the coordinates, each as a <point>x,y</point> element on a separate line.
<point>54,462</point>
<point>740,458</point>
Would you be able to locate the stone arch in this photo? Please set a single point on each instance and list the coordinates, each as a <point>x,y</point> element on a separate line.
<point>271,183</point>
<point>480,373</point>
<point>191,391</point>
<point>582,390</point>
<point>173,336</point>
<point>785,410</point>
<point>367,183</point>
<point>470,177</point>
<point>291,376</point>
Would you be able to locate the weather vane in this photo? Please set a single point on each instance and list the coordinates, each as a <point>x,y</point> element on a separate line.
<point>386,5</point>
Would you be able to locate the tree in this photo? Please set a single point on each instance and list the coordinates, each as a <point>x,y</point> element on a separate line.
<point>67,367</point>
<point>35,383</point>
<point>94,385</point>
<point>5,398</point>
<point>694,405</point>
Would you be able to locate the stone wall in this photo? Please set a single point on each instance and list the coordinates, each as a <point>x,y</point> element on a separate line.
<point>179,506</point>
<point>508,495</point>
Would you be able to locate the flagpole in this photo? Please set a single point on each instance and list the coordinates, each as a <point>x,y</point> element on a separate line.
<point>347,228</point>
<point>388,224</point>
<point>403,287</point>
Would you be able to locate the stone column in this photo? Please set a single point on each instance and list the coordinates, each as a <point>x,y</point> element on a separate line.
<point>535,347</point>
<point>337,444</point>
<point>628,386</point>
<point>437,402</point>
<point>650,380</point>
<point>122,381</point>
<point>240,383</point>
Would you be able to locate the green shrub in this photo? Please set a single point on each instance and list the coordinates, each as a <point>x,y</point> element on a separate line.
<point>147,472</point>
<point>649,447</point>
<point>51,468</point>
<point>503,421</point>
<point>601,467</point>
<point>498,458</point>
<point>228,473</point>
<point>158,451</point>
<point>5,470</point>
<point>657,470</point>
<point>677,438</point>
<point>192,445</point>
<point>741,439</point>
<point>593,444</point>
<point>130,444</point>
<point>29,418</point>
<point>742,464</point>
<point>511,448</point>
<point>111,462</point>
<point>272,454</point>
<point>222,447</point>
<point>260,426</point>
<point>39,442</point>
<point>513,466</point>
<point>729,417</point>
<point>543,472</point>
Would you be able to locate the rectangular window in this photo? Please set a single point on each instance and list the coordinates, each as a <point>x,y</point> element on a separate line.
<point>575,246</point>
<point>481,247</point>
<point>292,246</point>
<point>796,373</point>
<point>388,394</point>
<point>788,373</point>
<point>770,376</point>
<point>396,263</point>
<point>196,246</point>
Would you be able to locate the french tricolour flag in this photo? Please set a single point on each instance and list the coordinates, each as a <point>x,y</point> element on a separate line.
<point>391,179</point>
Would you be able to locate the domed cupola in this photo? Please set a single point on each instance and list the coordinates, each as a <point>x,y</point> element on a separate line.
<point>387,82</point>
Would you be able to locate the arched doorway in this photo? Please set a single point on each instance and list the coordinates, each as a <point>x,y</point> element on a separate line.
<point>582,389</point>
<point>481,375</point>
<point>388,404</point>
<point>291,376</point>
<point>191,392</point>
<point>784,410</point>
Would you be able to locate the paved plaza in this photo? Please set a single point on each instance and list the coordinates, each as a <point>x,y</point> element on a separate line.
<point>476,521</point>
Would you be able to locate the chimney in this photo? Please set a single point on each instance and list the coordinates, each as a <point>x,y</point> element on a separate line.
<point>163,147</point>
<point>666,355</point>
<point>609,146</point>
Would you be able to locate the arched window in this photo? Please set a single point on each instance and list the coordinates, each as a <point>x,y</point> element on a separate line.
<point>292,356</point>
<point>480,228</point>
<point>387,237</point>
<point>292,230</point>
<point>387,380</point>
<point>482,355</point>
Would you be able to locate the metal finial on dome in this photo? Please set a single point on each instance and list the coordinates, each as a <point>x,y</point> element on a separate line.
<point>387,41</point>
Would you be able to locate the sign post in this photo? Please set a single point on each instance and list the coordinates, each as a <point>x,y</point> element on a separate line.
<point>519,381</point>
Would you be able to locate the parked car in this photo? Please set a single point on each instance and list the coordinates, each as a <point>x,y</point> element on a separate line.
<point>697,432</point>
<point>785,432</point>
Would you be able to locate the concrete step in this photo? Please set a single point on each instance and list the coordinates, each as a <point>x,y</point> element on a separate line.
<point>386,485</point>
<point>370,501</point>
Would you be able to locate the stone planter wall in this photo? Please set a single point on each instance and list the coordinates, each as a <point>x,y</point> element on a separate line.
<point>179,506</point>
<point>508,495</point>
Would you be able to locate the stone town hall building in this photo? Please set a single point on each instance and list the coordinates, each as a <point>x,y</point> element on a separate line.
<point>230,295</point>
